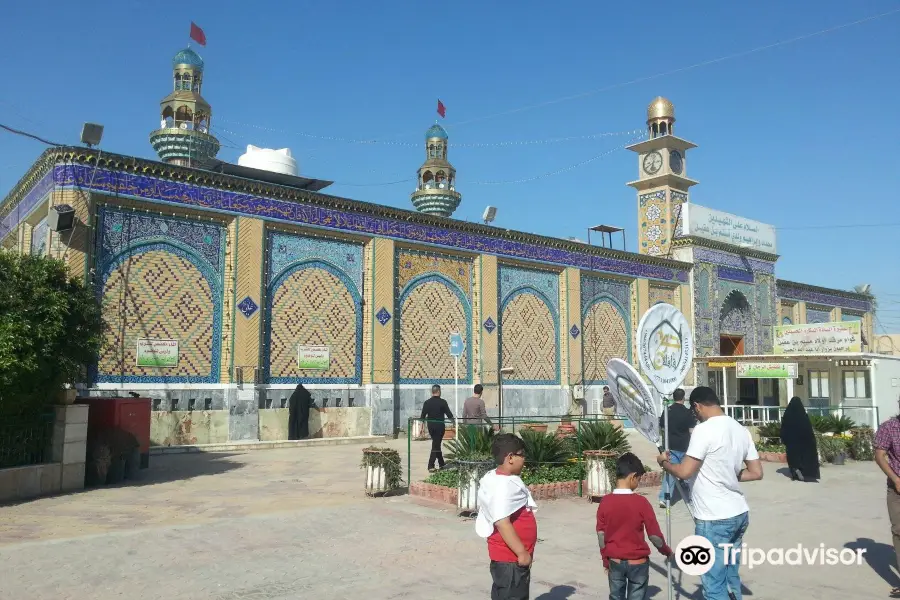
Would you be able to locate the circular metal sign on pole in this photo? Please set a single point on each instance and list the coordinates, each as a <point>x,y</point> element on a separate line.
<point>665,347</point>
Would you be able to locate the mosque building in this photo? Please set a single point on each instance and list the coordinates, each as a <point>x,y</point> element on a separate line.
<point>225,285</point>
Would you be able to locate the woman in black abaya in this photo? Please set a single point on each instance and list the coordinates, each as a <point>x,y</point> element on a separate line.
<point>298,413</point>
<point>800,442</point>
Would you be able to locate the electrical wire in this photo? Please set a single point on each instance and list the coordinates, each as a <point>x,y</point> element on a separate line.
<point>28,135</point>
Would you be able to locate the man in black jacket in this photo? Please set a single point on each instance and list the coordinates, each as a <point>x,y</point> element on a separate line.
<point>681,423</point>
<point>433,412</point>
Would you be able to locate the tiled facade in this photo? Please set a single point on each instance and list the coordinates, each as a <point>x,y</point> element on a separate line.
<point>529,325</point>
<point>606,314</point>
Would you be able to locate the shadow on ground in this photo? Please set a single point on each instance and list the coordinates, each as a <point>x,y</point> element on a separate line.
<point>559,592</point>
<point>787,473</point>
<point>880,558</point>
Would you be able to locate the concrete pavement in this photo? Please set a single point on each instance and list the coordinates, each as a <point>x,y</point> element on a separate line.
<point>294,523</point>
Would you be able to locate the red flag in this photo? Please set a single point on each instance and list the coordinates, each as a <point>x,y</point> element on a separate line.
<point>441,109</point>
<point>197,34</point>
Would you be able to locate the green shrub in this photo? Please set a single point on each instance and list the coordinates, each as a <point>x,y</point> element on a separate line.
<point>602,435</point>
<point>50,330</point>
<point>473,440</point>
<point>862,446</point>
<point>830,447</point>
<point>771,432</point>
<point>771,447</point>
<point>841,425</point>
<point>545,448</point>
<point>821,423</point>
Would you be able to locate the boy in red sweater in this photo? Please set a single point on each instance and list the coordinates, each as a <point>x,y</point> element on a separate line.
<point>622,518</point>
<point>506,520</point>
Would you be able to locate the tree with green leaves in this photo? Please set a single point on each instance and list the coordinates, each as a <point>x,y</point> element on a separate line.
<point>50,330</point>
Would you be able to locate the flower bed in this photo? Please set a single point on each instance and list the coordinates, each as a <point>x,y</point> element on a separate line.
<point>448,494</point>
<point>775,457</point>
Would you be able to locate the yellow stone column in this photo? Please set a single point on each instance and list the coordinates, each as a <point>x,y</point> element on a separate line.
<point>25,236</point>
<point>640,297</point>
<point>800,307</point>
<point>378,348</point>
<point>570,301</point>
<point>246,271</point>
<point>836,314</point>
<point>487,363</point>
<point>683,303</point>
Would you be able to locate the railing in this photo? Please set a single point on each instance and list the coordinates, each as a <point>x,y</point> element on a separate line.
<point>26,440</point>
<point>760,415</point>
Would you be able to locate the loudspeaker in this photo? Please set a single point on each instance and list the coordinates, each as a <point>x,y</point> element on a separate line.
<point>61,217</point>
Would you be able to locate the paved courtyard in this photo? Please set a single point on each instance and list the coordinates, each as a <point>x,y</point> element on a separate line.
<point>286,524</point>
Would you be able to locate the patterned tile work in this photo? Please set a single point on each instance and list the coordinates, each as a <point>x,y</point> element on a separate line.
<point>654,224</point>
<point>313,304</point>
<point>430,310</point>
<point>121,229</point>
<point>513,279</point>
<point>661,294</point>
<point>286,249</point>
<point>488,296</point>
<point>383,316</point>
<point>34,197</point>
<point>786,290</point>
<point>155,293</point>
<point>738,314</point>
<point>383,296</point>
<point>159,277</point>
<point>489,325</point>
<point>529,340</point>
<point>248,307</point>
<point>847,316</point>
<point>593,288</point>
<point>734,274</point>
<point>606,335</point>
<point>678,199</point>
<point>190,195</point>
<point>718,257</point>
<point>412,264</point>
<point>39,238</point>
<point>787,312</point>
<point>816,315</point>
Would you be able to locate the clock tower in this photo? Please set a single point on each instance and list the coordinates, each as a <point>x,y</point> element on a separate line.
<point>662,184</point>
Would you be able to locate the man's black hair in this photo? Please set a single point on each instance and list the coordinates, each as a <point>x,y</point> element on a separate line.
<point>435,389</point>
<point>505,444</point>
<point>705,396</point>
<point>627,464</point>
<point>678,395</point>
<point>478,388</point>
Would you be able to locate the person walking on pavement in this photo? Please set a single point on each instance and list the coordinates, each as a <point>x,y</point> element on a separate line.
<point>609,403</point>
<point>887,457</point>
<point>681,424</point>
<point>719,449</point>
<point>433,412</point>
<point>474,411</point>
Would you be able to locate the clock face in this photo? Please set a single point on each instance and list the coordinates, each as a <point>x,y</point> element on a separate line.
<point>676,162</point>
<point>652,163</point>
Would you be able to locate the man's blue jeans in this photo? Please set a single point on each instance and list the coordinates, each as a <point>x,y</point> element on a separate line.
<point>675,457</point>
<point>722,578</point>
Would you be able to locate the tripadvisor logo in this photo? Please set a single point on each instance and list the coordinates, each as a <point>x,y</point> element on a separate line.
<point>695,555</point>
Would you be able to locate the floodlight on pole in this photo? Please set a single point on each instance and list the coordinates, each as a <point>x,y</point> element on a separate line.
<point>490,213</point>
<point>91,134</point>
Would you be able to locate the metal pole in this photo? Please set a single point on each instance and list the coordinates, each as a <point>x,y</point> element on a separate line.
<point>668,497</point>
<point>500,400</point>
<point>409,450</point>
<point>456,397</point>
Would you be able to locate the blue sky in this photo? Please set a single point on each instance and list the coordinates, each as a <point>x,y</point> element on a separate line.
<point>800,136</point>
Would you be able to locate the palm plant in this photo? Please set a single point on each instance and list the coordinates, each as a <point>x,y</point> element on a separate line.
<point>544,448</point>
<point>770,431</point>
<point>602,435</point>
<point>841,424</point>
<point>821,423</point>
<point>473,441</point>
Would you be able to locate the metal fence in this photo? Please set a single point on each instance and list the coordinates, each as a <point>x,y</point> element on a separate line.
<point>760,415</point>
<point>25,440</point>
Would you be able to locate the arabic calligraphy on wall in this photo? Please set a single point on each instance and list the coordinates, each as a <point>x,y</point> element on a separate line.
<point>194,196</point>
<point>726,228</point>
<point>822,338</point>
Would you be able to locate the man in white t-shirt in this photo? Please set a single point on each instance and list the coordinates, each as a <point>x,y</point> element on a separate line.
<point>720,448</point>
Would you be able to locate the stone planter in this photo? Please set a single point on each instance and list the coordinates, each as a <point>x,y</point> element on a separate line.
<point>380,464</point>
<point>66,396</point>
<point>467,502</point>
<point>565,430</point>
<point>597,475</point>
<point>450,433</point>
<point>539,427</point>
<point>839,459</point>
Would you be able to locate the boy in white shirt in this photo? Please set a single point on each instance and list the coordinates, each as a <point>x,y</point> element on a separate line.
<point>715,459</point>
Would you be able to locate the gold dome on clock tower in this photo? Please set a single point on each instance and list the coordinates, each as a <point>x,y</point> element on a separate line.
<point>660,117</point>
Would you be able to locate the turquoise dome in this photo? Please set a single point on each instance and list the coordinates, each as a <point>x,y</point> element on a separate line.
<point>188,57</point>
<point>436,131</point>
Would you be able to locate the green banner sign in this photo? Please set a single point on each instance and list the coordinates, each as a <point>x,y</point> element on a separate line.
<point>313,358</point>
<point>751,370</point>
<point>157,353</point>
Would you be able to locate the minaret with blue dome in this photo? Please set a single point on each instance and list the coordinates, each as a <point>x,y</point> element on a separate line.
<point>436,188</point>
<point>183,136</point>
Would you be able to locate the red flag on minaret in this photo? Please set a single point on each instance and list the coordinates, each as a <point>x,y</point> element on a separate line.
<point>197,34</point>
<point>441,109</point>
